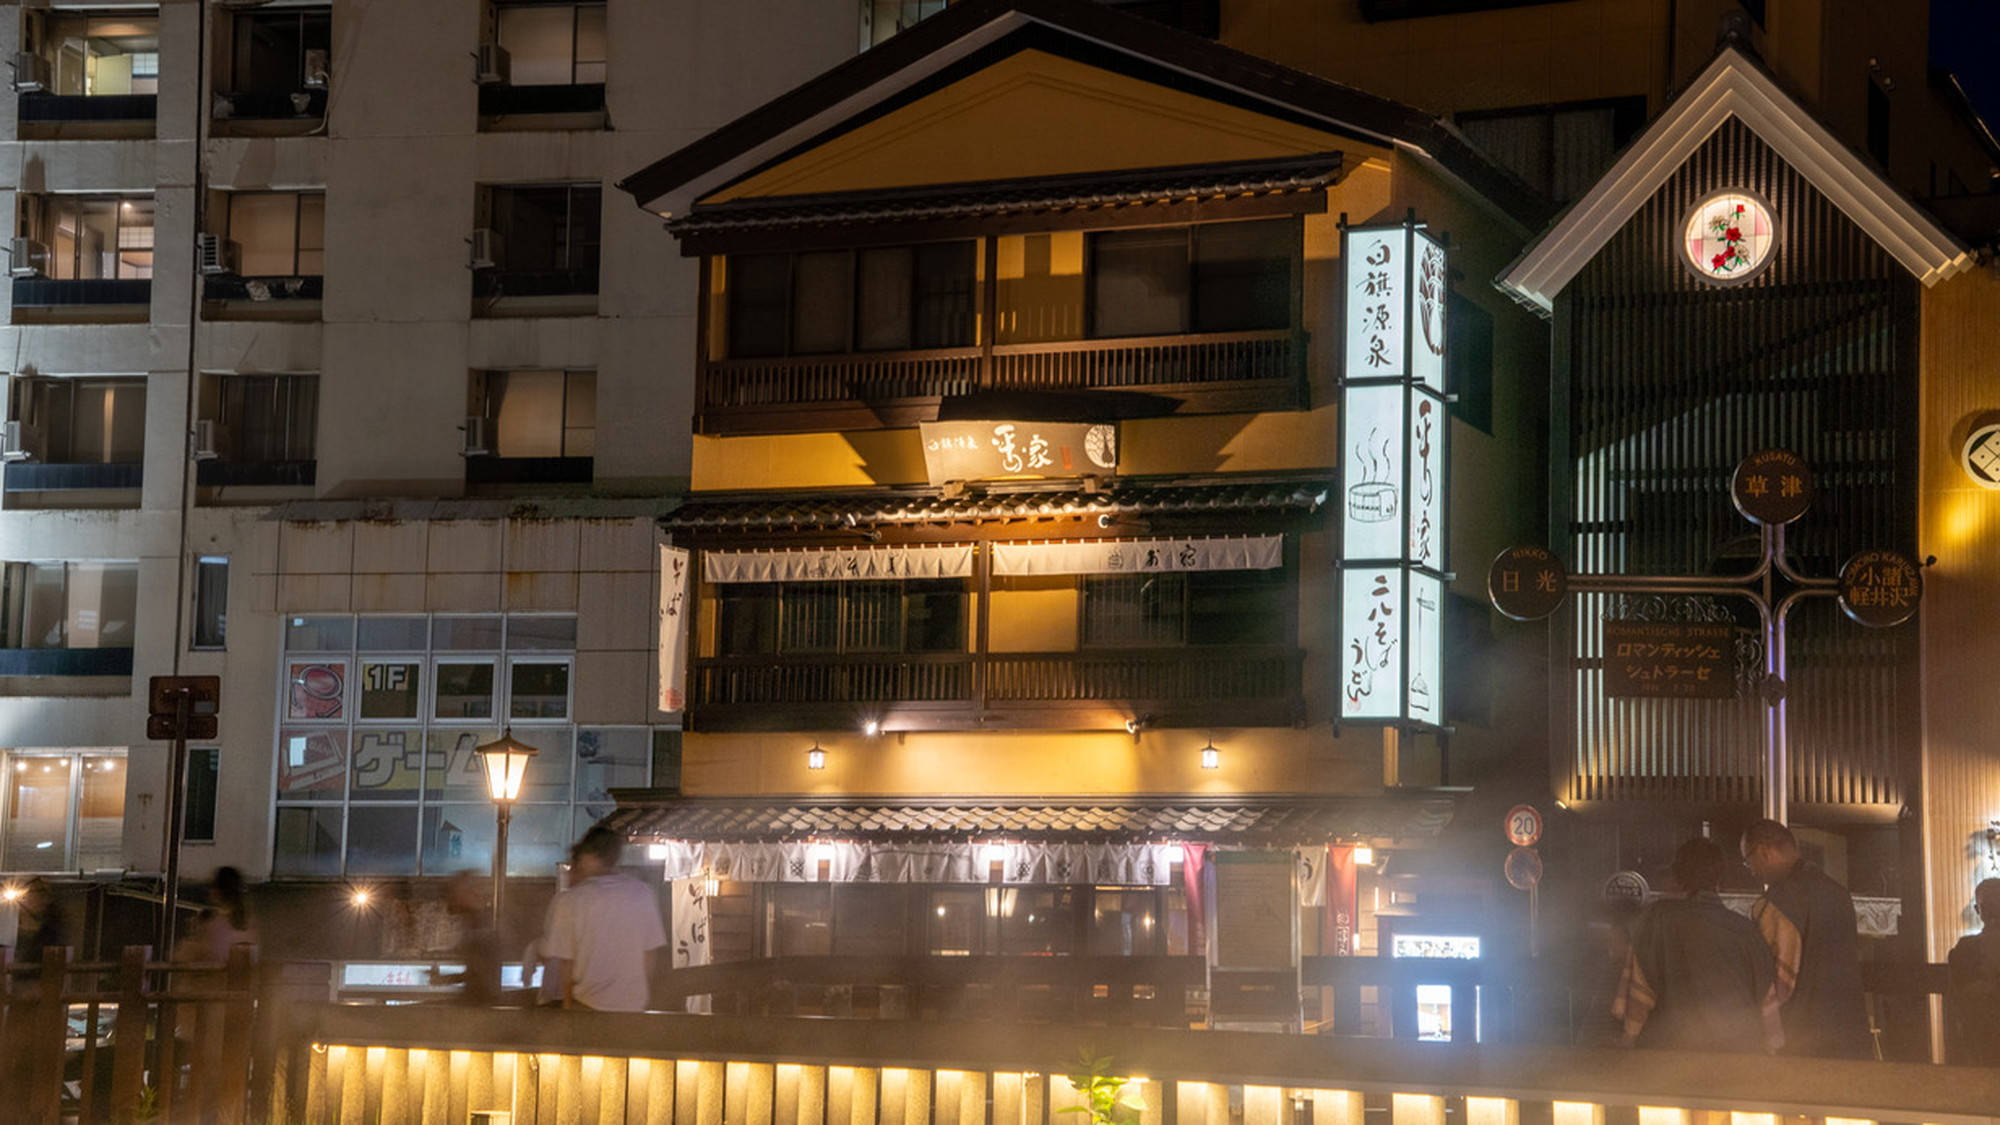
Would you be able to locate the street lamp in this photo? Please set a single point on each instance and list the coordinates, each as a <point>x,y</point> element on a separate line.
<point>506,762</point>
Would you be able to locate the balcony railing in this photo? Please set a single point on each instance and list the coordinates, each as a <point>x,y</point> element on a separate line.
<point>1208,373</point>
<point>1215,683</point>
<point>503,100</point>
<point>43,108</point>
<point>50,292</point>
<point>229,287</point>
<point>246,105</point>
<point>223,473</point>
<point>37,476</point>
<point>65,661</point>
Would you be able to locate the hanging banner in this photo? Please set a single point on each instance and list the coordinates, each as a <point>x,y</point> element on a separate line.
<point>1343,901</point>
<point>674,566</point>
<point>840,564</point>
<point>1000,449</point>
<point>1139,556</point>
<point>1395,513</point>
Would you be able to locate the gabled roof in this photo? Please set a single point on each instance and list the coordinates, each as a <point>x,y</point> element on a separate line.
<point>974,34</point>
<point>1733,86</point>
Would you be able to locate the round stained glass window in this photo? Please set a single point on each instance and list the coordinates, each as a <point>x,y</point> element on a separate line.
<point>1730,236</point>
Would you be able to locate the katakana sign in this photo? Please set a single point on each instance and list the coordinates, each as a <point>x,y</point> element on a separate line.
<point>1669,660</point>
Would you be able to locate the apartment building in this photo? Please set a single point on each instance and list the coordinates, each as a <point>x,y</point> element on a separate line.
<point>337,370</point>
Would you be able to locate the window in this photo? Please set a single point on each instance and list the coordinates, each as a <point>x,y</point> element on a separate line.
<point>1221,277</point>
<point>204,768</point>
<point>882,19</point>
<point>211,603</point>
<point>561,44</point>
<point>545,240</point>
<point>891,298</point>
<point>1221,607</point>
<point>539,413</point>
<point>381,718</point>
<point>87,421</point>
<point>93,238</point>
<point>267,418</point>
<point>62,810</point>
<point>68,605</point>
<point>103,55</point>
<point>279,52</point>
<point>1559,150</point>
<point>916,615</point>
<point>278,233</point>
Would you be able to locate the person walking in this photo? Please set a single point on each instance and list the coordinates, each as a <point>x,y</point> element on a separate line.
<point>1807,919</point>
<point>1699,976</point>
<point>604,933</point>
<point>478,943</point>
<point>1972,996</point>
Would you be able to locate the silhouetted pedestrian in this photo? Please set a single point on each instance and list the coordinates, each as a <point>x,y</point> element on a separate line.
<point>1699,977</point>
<point>604,933</point>
<point>478,943</point>
<point>1808,921</point>
<point>1972,999</point>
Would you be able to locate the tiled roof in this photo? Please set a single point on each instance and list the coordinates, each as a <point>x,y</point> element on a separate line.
<point>792,511</point>
<point>1249,821</point>
<point>1017,197</point>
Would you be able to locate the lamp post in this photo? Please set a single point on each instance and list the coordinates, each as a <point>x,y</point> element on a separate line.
<point>506,762</point>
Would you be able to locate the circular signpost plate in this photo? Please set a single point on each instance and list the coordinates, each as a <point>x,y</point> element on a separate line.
<point>1880,588</point>
<point>1626,886</point>
<point>1772,486</point>
<point>1524,868</point>
<point>1524,826</point>
<point>1981,459</point>
<point>1526,583</point>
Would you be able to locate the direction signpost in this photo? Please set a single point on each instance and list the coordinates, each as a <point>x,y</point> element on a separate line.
<point>178,708</point>
<point>1771,488</point>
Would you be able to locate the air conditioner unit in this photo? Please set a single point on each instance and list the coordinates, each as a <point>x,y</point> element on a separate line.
<point>491,66</point>
<point>475,436</point>
<point>204,440</point>
<point>318,68</point>
<point>485,248</point>
<point>17,441</point>
<point>31,72</point>
<point>27,258</point>
<point>215,254</point>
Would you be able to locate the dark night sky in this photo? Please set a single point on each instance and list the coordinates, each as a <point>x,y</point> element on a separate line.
<point>1965,39</point>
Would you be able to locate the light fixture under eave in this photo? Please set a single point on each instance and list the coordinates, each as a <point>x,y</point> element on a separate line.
<point>815,757</point>
<point>1211,758</point>
<point>1364,856</point>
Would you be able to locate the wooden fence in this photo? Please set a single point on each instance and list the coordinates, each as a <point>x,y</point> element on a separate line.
<point>126,1041</point>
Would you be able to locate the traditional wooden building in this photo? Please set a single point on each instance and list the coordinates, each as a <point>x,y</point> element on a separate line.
<point>1013,570</point>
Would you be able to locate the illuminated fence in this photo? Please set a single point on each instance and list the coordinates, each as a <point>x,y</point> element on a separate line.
<point>434,1066</point>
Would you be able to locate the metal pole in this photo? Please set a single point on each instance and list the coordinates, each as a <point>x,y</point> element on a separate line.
<point>506,813</point>
<point>176,776</point>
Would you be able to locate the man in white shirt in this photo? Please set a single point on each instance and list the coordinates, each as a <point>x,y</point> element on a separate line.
<point>604,933</point>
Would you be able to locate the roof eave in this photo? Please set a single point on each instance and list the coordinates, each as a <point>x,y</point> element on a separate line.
<point>1733,86</point>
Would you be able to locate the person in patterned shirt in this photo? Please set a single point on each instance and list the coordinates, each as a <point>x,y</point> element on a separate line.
<point>1808,921</point>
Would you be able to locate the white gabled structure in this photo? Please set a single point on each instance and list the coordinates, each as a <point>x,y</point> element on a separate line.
<point>1733,86</point>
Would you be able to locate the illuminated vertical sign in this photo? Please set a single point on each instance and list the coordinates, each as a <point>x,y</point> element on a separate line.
<point>1395,497</point>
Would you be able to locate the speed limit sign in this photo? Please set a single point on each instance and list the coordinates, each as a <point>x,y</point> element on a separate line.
<point>1524,826</point>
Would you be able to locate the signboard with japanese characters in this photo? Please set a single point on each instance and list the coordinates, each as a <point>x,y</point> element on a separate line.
<point>1670,659</point>
<point>997,449</point>
<point>1772,486</point>
<point>1880,588</point>
<point>1394,489</point>
<point>674,567</point>
<point>1527,583</point>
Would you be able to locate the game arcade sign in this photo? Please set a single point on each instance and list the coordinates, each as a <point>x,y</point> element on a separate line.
<point>1394,500</point>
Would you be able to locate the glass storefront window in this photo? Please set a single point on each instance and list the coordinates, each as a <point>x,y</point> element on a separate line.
<point>538,690</point>
<point>464,691</point>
